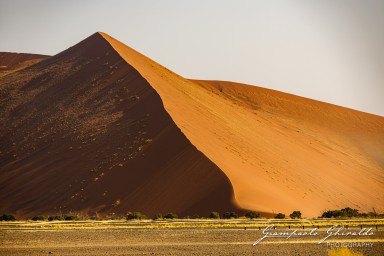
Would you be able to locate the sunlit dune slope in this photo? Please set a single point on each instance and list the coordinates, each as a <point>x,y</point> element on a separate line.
<point>281,152</point>
<point>84,132</point>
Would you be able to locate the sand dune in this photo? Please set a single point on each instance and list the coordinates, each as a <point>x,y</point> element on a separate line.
<point>84,132</point>
<point>101,128</point>
<point>10,62</point>
<point>281,152</point>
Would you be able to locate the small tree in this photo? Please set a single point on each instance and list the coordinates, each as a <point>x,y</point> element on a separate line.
<point>135,216</point>
<point>295,215</point>
<point>280,216</point>
<point>36,218</point>
<point>230,215</point>
<point>214,215</point>
<point>70,217</point>
<point>349,212</point>
<point>252,215</point>
<point>170,216</point>
<point>346,212</point>
<point>7,217</point>
<point>55,217</point>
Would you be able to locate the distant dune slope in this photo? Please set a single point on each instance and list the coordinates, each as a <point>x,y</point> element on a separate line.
<point>281,152</point>
<point>10,62</point>
<point>83,131</point>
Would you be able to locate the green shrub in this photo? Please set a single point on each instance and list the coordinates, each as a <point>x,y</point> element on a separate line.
<point>135,216</point>
<point>252,215</point>
<point>349,212</point>
<point>230,215</point>
<point>55,217</point>
<point>280,216</point>
<point>170,216</point>
<point>36,218</point>
<point>7,217</point>
<point>70,217</point>
<point>370,215</point>
<point>343,213</point>
<point>295,215</point>
<point>332,214</point>
<point>214,215</point>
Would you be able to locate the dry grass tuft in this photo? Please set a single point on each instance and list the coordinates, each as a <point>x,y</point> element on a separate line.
<point>344,251</point>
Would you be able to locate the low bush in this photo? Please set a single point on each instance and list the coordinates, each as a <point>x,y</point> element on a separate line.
<point>252,215</point>
<point>280,216</point>
<point>343,213</point>
<point>214,215</point>
<point>70,217</point>
<point>135,216</point>
<point>7,217</point>
<point>295,215</point>
<point>55,217</point>
<point>230,215</point>
<point>36,218</point>
<point>170,216</point>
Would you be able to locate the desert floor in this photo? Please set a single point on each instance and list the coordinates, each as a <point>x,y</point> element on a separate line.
<point>170,238</point>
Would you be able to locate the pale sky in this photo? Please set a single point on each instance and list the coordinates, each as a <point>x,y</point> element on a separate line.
<point>329,50</point>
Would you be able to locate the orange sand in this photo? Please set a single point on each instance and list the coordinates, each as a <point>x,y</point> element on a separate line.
<point>101,128</point>
<point>281,152</point>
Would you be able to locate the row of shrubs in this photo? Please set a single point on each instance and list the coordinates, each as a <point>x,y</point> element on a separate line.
<point>158,216</point>
<point>212,215</point>
<point>343,213</point>
<point>56,217</point>
<point>349,213</point>
<point>233,215</point>
<point>253,215</point>
<point>11,217</point>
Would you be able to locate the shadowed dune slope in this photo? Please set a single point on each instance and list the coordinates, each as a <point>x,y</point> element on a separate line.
<point>83,131</point>
<point>281,152</point>
<point>10,62</point>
